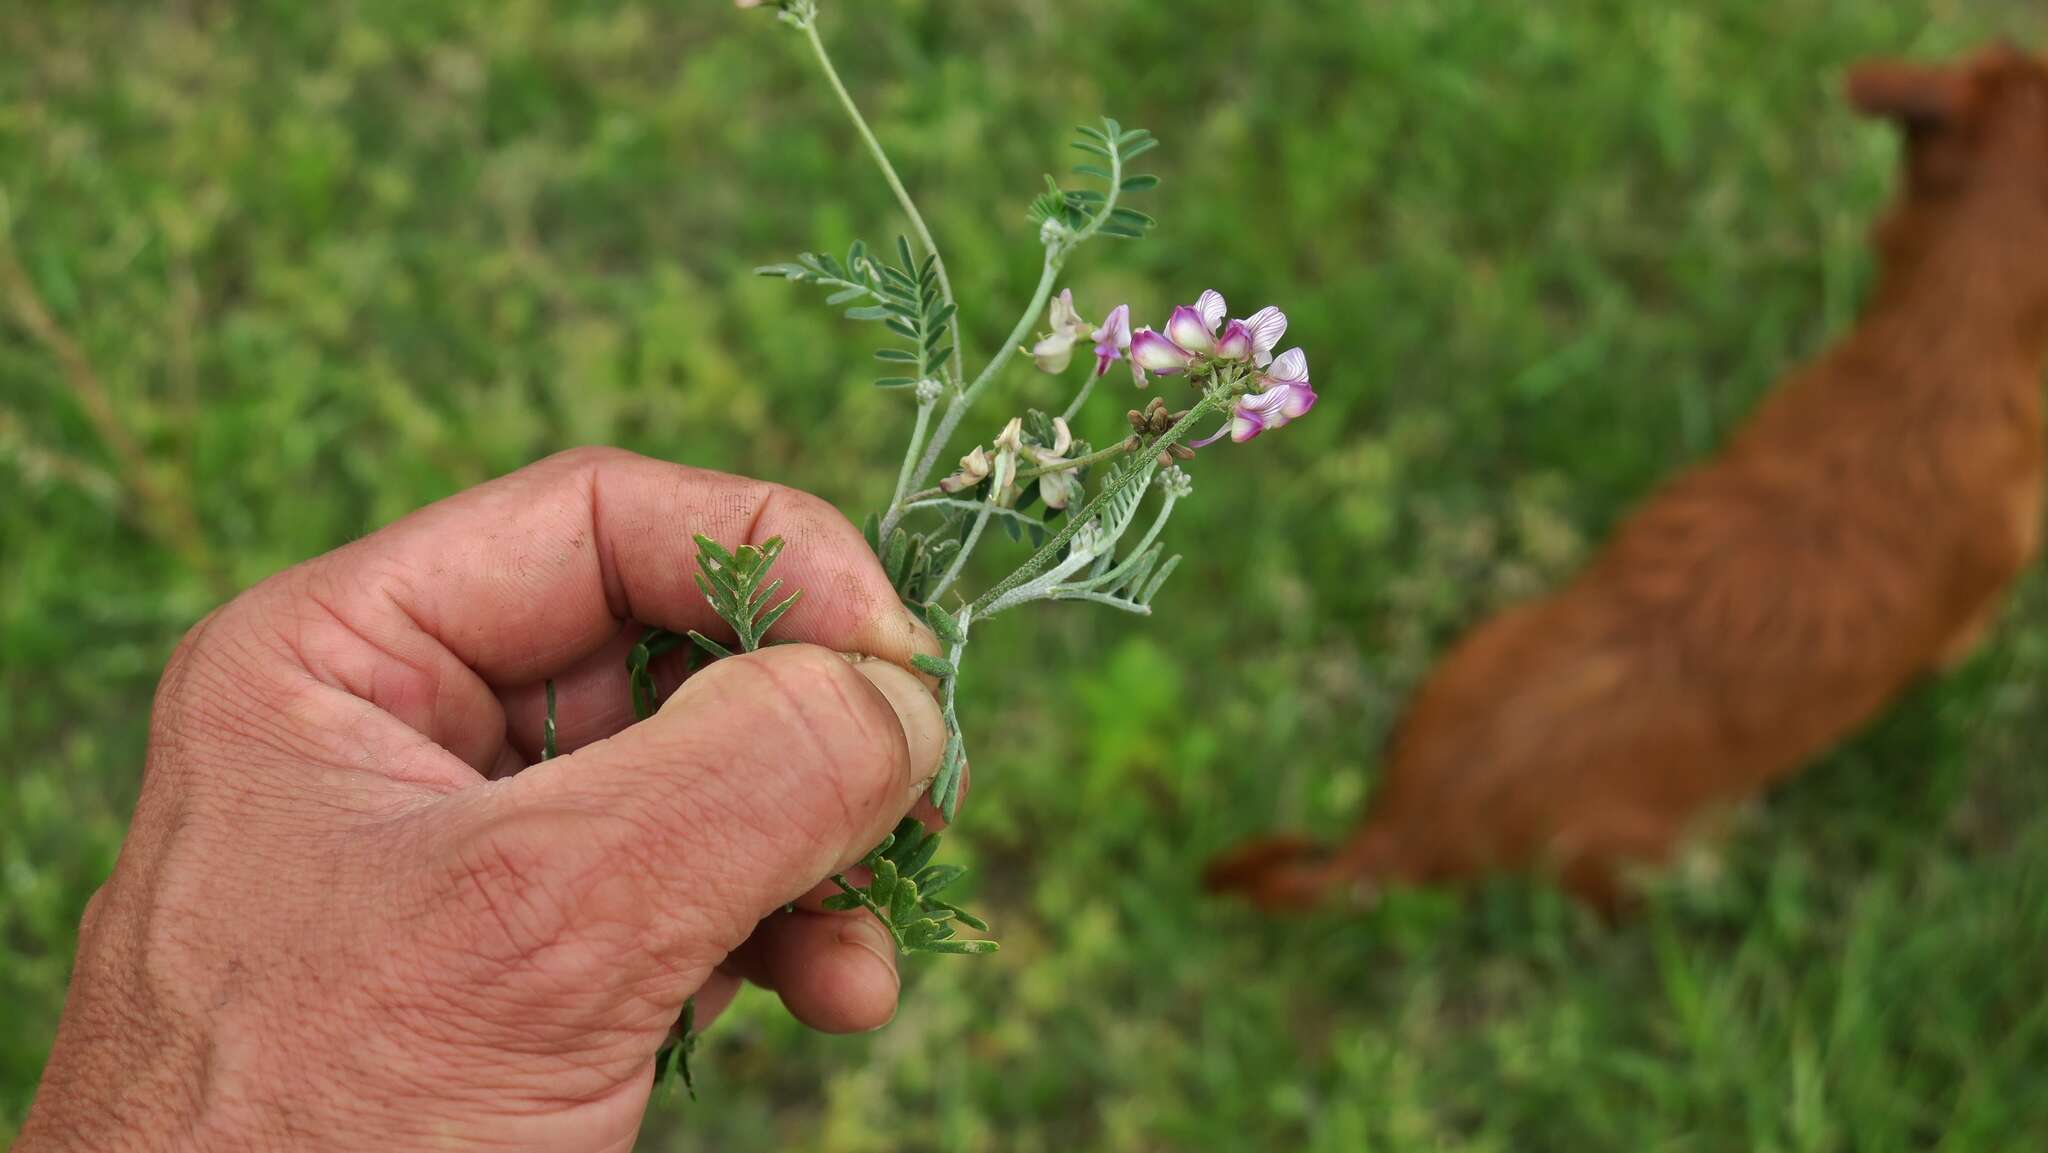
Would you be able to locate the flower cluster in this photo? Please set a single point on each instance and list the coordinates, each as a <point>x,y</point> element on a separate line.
<point>1199,343</point>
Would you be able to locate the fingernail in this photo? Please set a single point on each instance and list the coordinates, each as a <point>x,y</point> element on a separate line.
<point>865,933</point>
<point>923,725</point>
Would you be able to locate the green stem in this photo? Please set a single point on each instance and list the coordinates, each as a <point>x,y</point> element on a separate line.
<point>969,505</point>
<point>1055,257</point>
<point>1210,404</point>
<point>917,224</point>
<point>956,409</point>
<point>923,497</point>
<point>959,564</point>
<point>1081,397</point>
<point>910,456</point>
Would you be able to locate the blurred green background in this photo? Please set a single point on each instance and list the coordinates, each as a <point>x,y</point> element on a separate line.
<point>330,261</point>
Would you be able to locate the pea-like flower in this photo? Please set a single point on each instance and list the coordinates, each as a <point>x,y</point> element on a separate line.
<point>1055,350</point>
<point>1113,341</point>
<point>1192,333</point>
<point>1058,487</point>
<point>1284,394</point>
<point>974,468</point>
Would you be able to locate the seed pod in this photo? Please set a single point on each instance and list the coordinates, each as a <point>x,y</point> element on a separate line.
<point>1182,452</point>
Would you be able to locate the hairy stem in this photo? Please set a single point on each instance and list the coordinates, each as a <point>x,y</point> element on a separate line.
<point>910,458</point>
<point>923,497</point>
<point>1055,257</point>
<point>1209,405</point>
<point>1081,397</point>
<point>956,408</point>
<point>917,224</point>
<point>959,565</point>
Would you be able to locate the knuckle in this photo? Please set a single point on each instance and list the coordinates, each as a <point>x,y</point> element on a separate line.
<point>584,457</point>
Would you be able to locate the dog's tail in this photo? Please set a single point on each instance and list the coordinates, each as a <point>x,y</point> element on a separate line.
<point>1283,873</point>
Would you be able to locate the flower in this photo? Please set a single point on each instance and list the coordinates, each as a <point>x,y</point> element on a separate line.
<point>1191,332</point>
<point>1113,340</point>
<point>1054,350</point>
<point>974,468</point>
<point>1266,326</point>
<point>1061,485</point>
<point>1284,395</point>
<point>1011,439</point>
<point>1151,352</point>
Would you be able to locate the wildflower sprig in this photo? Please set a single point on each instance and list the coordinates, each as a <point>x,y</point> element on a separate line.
<point>1074,502</point>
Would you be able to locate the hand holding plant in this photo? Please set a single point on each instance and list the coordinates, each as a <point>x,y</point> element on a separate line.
<point>1076,503</point>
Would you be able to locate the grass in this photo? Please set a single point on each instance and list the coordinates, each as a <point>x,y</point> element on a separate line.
<point>329,262</point>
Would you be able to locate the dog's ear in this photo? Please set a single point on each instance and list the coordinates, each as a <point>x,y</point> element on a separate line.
<point>1913,95</point>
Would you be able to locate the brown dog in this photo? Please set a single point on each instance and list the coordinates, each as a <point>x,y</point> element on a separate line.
<point>1857,534</point>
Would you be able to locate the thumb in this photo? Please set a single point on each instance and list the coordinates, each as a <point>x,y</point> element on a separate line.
<point>762,775</point>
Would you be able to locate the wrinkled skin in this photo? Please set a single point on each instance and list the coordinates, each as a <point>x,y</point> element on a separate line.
<point>349,916</point>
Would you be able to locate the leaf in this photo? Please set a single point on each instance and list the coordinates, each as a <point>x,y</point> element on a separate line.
<point>1140,148</point>
<point>868,312</point>
<point>897,355</point>
<point>1139,183</point>
<point>966,918</point>
<point>942,622</point>
<point>935,879</point>
<point>945,790</point>
<point>1091,146</point>
<point>962,948</point>
<point>899,551</point>
<point>768,619</point>
<point>913,861</point>
<point>1094,170</point>
<point>710,646</point>
<point>1151,588</point>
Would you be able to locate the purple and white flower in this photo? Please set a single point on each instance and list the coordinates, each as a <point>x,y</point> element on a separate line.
<point>1266,327</point>
<point>1284,395</point>
<point>1153,352</point>
<point>1113,340</point>
<point>1192,332</point>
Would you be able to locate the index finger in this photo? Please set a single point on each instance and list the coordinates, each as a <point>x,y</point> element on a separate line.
<point>521,577</point>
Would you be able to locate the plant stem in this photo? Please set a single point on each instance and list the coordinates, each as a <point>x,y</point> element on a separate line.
<point>917,224</point>
<point>923,497</point>
<point>970,505</point>
<point>910,456</point>
<point>959,564</point>
<point>1081,397</point>
<point>1055,257</point>
<point>956,408</point>
<point>1210,404</point>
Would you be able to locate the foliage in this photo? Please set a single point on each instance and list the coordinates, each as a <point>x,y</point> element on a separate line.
<point>336,261</point>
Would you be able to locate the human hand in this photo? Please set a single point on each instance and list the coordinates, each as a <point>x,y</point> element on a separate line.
<point>340,920</point>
